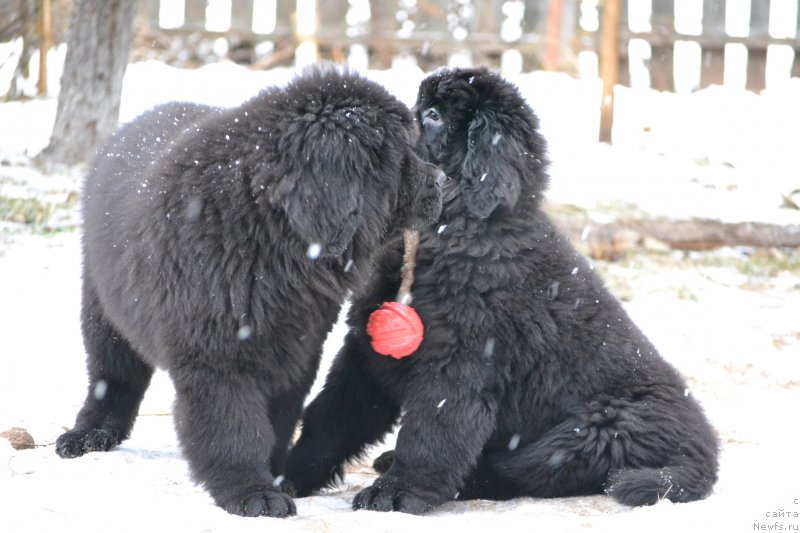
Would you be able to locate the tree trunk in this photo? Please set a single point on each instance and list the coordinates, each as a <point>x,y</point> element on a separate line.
<point>98,46</point>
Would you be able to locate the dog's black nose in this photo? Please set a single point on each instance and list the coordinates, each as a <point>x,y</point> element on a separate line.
<point>441,177</point>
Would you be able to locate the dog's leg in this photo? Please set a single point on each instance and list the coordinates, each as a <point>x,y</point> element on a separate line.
<point>447,421</point>
<point>221,417</point>
<point>349,414</point>
<point>118,379</point>
<point>568,460</point>
<point>284,413</point>
<point>638,451</point>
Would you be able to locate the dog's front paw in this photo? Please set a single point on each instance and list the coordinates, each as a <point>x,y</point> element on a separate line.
<point>82,441</point>
<point>387,497</point>
<point>260,501</point>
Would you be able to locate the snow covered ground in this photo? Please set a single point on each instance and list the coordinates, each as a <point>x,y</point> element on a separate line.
<point>728,320</point>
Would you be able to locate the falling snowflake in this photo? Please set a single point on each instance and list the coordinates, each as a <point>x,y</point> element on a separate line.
<point>244,332</point>
<point>488,348</point>
<point>194,208</point>
<point>314,251</point>
<point>100,389</point>
<point>552,291</point>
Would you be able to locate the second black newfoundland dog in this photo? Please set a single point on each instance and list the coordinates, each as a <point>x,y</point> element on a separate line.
<point>219,245</point>
<point>531,379</point>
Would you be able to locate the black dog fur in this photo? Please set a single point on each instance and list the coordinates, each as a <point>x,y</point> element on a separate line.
<point>219,245</point>
<point>531,379</point>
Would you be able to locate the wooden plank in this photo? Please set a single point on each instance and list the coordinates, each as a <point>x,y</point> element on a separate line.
<point>535,18</point>
<point>662,74</point>
<point>332,14</point>
<point>713,57</point>
<point>668,39</point>
<point>284,15</point>
<point>757,58</point>
<point>242,15</point>
<point>147,12</point>
<point>624,69</point>
<point>194,15</point>
<point>553,43</point>
<point>796,64</point>
<point>380,22</point>
<point>609,65</point>
<point>488,16</point>
<point>759,18</point>
<point>487,20</point>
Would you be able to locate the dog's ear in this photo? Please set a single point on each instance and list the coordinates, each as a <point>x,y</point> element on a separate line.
<point>490,176</point>
<point>321,202</point>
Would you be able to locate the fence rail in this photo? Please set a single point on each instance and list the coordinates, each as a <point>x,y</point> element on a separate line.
<point>544,33</point>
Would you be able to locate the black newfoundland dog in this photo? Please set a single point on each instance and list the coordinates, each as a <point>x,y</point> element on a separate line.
<point>531,379</point>
<point>219,245</point>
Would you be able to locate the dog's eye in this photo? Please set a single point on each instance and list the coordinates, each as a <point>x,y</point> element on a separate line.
<point>432,114</point>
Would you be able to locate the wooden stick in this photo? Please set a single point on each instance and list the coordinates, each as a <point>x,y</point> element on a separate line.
<point>45,38</point>
<point>410,244</point>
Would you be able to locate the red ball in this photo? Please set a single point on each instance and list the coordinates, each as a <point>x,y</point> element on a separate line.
<point>395,329</point>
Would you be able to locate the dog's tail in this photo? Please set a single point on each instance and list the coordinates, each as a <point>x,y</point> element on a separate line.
<point>646,486</point>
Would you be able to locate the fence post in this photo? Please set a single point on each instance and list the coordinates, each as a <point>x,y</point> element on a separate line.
<point>242,16</point>
<point>485,23</point>
<point>284,11</point>
<point>194,18</point>
<point>553,43</point>
<point>147,13</point>
<point>624,69</point>
<point>796,65</point>
<point>609,65</point>
<point>712,71</point>
<point>487,18</point>
<point>757,58</point>
<point>570,15</point>
<point>662,75</point>
<point>379,23</point>
<point>534,21</point>
<point>332,15</point>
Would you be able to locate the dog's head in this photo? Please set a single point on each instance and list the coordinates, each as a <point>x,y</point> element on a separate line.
<point>347,168</point>
<point>479,129</point>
